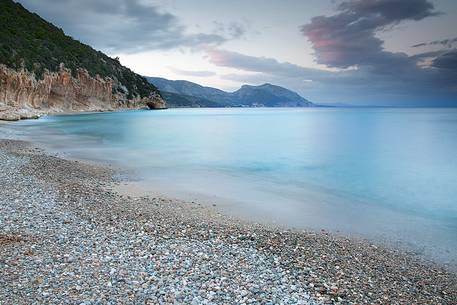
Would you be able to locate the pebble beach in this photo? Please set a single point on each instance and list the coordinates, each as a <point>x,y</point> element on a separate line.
<point>67,237</point>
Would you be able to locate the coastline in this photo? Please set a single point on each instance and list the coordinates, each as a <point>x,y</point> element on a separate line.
<point>38,115</point>
<point>66,234</point>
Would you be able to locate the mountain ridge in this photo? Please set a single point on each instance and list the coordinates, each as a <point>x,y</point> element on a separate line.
<point>265,95</point>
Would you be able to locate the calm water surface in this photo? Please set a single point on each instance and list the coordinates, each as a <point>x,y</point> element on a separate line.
<point>389,174</point>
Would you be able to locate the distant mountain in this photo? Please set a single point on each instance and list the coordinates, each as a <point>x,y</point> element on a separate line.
<point>181,93</point>
<point>181,100</point>
<point>184,87</point>
<point>269,96</point>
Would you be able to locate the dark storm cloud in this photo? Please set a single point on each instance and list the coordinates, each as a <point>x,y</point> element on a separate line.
<point>348,38</point>
<point>388,11</point>
<point>120,25</point>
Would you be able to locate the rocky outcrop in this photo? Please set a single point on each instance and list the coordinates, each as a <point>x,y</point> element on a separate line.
<point>22,96</point>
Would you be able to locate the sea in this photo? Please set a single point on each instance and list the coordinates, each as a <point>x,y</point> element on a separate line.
<point>383,174</point>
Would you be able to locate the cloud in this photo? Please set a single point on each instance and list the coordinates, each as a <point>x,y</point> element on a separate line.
<point>234,30</point>
<point>433,85</point>
<point>366,72</point>
<point>447,61</point>
<point>263,69</point>
<point>115,26</point>
<point>444,43</point>
<point>192,73</point>
<point>270,66</point>
<point>348,38</point>
<point>243,62</point>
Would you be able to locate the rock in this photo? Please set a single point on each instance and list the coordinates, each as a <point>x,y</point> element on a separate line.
<point>24,97</point>
<point>156,103</point>
<point>9,116</point>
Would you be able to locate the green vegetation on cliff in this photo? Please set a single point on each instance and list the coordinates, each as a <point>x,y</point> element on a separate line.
<point>27,40</point>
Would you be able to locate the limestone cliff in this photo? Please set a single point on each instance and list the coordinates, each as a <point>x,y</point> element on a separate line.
<point>22,96</point>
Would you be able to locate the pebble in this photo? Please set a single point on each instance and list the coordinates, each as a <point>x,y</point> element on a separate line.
<point>85,244</point>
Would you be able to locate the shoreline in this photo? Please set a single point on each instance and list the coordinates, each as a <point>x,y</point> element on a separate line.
<point>66,235</point>
<point>38,115</point>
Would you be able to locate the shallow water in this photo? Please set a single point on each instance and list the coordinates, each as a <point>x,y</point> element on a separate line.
<point>384,173</point>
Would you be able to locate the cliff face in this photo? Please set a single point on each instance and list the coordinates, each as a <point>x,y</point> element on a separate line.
<point>22,96</point>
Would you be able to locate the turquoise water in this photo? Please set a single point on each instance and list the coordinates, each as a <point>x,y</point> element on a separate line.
<point>389,174</point>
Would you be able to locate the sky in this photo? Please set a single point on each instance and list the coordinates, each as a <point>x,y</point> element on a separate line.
<point>359,52</point>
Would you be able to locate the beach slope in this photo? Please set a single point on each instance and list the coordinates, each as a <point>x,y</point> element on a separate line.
<point>67,237</point>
